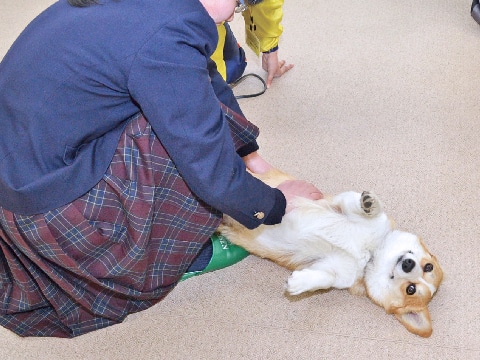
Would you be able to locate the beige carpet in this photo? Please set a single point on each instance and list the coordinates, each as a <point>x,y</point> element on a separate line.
<point>384,96</point>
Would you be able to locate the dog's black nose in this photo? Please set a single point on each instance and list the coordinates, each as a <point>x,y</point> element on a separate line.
<point>408,265</point>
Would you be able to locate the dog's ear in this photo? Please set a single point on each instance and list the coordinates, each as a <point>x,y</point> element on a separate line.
<point>417,322</point>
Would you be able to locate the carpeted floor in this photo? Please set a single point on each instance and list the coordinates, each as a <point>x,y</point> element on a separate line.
<point>384,96</point>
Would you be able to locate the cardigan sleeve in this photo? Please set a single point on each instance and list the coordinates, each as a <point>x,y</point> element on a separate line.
<point>244,133</point>
<point>170,81</point>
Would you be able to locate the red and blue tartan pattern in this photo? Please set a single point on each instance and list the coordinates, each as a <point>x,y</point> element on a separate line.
<point>117,250</point>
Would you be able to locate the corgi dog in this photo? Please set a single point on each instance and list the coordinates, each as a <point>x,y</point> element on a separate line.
<point>347,242</point>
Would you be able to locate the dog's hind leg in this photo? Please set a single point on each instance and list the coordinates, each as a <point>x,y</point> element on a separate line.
<point>370,204</point>
<point>366,204</point>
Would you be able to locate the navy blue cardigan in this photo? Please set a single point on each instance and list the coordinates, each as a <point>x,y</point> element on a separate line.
<point>75,75</point>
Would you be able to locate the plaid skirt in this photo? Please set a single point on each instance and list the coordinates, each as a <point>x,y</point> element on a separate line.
<point>117,250</point>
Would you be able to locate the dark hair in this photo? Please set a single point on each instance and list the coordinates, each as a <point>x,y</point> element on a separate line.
<point>82,3</point>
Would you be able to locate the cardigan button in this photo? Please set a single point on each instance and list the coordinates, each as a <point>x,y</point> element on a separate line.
<point>259,215</point>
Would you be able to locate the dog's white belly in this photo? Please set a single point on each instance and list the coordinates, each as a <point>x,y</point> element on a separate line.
<point>307,238</point>
<point>328,250</point>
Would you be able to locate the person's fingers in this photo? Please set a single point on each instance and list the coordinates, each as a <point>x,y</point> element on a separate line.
<point>286,68</point>
<point>294,188</point>
<point>316,195</point>
<point>273,67</point>
<point>270,76</point>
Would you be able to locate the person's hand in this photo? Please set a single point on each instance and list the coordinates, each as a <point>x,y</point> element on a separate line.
<point>256,164</point>
<point>298,188</point>
<point>273,67</point>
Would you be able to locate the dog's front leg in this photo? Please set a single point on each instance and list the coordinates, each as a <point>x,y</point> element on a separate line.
<point>337,270</point>
<point>308,279</point>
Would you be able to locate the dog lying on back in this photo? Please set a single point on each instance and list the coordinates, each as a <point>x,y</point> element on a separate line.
<point>347,242</point>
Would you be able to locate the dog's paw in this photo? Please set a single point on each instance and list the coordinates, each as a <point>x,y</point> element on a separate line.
<point>370,204</point>
<point>297,283</point>
<point>304,280</point>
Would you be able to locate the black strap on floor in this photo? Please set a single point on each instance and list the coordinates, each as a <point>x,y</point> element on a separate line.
<point>241,79</point>
<point>475,11</point>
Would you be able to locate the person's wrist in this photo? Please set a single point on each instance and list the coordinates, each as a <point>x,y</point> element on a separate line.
<point>275,48</point>
<point>256,164</point>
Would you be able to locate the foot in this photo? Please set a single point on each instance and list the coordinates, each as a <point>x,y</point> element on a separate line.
<point>304,280</point>
<point>370,204</point>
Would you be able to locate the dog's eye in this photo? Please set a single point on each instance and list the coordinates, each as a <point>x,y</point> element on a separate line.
<point>428,268</point>
<point>411,289</point>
